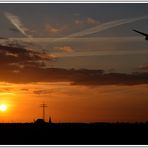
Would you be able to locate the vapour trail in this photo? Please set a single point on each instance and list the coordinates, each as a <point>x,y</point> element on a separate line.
<point>17,23</point>
<point>72,37</point>
<point>103,27</point>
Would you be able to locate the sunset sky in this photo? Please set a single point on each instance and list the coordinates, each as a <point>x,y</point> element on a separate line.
<point>82,59</point>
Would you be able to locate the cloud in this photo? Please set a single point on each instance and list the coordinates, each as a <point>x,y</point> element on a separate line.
<point>78,22</point>
<point>33,88</point>
<point>15,20</point>
<point>91,21</point>
<point>14,58</point>
<point>53,29</point>
<point>43,91</point>
<point>66,49</point>
<point>99,52</point>
<point>113,79</point>
<point>143,67</point>
<point>87,21</point>
<point>106,26</point>
<point>29,66</point>
<point>11,54</point>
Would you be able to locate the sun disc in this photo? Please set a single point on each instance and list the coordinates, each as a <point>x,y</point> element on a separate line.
<point>3,107</point>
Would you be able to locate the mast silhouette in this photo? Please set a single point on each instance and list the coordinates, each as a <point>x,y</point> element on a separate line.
<point>43,106</point>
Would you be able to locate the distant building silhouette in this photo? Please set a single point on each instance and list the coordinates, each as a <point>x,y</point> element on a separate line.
<point>39,121</point>
<point>50,121</point>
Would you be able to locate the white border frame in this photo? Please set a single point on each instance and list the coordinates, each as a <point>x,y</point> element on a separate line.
<point>73,1</point>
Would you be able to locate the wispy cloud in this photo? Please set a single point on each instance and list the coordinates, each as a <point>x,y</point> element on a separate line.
<point>66,49</point>
<point>15,20</point>
<point>87,21</point>
<point>106,26</point>
<point>102,27</point>
<point>143,67</point>
<point>53,29</point>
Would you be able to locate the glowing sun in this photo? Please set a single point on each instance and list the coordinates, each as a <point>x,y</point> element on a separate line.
<point>3,107</point>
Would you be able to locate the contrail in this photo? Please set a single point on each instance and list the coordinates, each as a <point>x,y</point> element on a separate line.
<point>103,27</point>
<point>81,39</point>
<point>17,23</point>
<point>78,36</point>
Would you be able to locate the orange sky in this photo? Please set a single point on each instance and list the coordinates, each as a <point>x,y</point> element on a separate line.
<point>68,103</point>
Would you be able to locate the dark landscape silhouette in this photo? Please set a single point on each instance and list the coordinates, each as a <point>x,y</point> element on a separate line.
<point>41,132</point>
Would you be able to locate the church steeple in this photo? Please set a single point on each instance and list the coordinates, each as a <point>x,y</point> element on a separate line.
<point>50,121</point>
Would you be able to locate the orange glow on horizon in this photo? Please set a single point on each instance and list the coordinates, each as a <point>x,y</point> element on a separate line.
<point>67,103</point>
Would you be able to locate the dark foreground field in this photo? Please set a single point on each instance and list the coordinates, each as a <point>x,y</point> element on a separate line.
<point>74,133</point>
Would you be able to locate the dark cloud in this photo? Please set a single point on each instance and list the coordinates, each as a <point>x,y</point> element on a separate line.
<point>114,79</point>
<point>15,56</point>
<point>15,60</point>
<point>5,90</point>
<point>43,91</point>
<point>24,89</point>
<point>19,65</point>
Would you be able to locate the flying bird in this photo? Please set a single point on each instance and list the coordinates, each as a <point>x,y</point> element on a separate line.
<point>144,34</point>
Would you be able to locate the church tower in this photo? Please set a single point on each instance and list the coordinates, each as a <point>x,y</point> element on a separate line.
<point>50,121</point>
